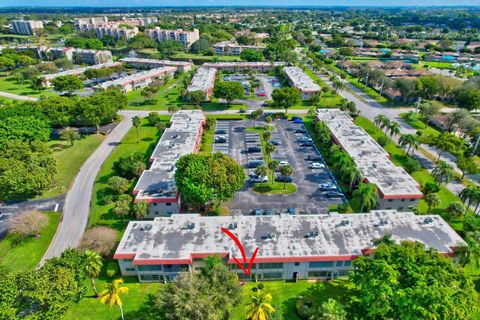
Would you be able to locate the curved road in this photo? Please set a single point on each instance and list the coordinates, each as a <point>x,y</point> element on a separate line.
<point>77,203</point>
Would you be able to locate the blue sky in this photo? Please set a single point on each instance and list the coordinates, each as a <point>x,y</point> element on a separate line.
<point>131,3</point>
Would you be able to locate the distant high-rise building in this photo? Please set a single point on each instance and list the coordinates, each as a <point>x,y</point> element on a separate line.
<point>26,27</point>
<point>184,37</point>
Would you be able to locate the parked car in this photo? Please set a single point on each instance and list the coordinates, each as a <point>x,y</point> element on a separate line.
<point>268,212</point>
<point>298,121</point>
<point>220,140</point>
<point>314,158</point>
<point>242,110</point>
<point>254,149</point>
<point>256,212</point>
<point>327,187</point>
<point>291,211</point>
<point>333,194</point>
<point>256,179</point>
<point>317,165</point>
<point>283,179</point>
<point>300,130</point>
<point>274,142</point>
<point>220,131</point>
<point>306,144</point>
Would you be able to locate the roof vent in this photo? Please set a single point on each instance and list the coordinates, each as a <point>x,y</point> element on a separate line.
<point>428,220</point>
<point>189,226</point>
<point>312,234</point>
<point>270,235</point>
<point>232,226</point>
<point>343,223</point>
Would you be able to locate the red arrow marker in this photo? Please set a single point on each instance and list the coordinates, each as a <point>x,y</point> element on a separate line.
<point>242,251</point>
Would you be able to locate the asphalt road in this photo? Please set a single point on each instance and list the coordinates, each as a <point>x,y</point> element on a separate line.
<point>77,203</point>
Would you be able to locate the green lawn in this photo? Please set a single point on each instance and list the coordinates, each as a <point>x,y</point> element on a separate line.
<point>422,176</point>
<point>8,84</point>
<point>328,100</point>
<point>100,213</point>
<point>90,308</point>
<point>69,160</point>
<point>275,188</point>
<point>420,125</point>
<point>285,294</point>
<point>27,254</point>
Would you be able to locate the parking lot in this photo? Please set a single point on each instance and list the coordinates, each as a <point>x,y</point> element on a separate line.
<point>317,187</point>
<point>266,84</point>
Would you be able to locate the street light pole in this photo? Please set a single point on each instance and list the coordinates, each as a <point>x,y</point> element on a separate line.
<point>417,107</point>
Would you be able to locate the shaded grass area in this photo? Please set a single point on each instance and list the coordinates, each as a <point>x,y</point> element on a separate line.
<point>69,160</point>
<point>90,308</point>
<point>100,213</point>
<point>328,100</point>
<point>9,84</point>
<point>285,295</point>
<point>422,176</point>
<point>275,188</point>
<point>28,253</point>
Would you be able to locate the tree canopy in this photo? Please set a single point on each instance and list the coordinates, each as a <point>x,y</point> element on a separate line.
<point>203,178</point>
<point>229,90</point>
<point>405,281</point>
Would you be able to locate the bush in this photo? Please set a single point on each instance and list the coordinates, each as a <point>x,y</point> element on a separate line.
<point>131,166</point>
<point>27,224</point>
<point>382,141</point>
<point>102,240</point>
<point>304,308</point>
<point>411,165</point>
<point>112,269</point>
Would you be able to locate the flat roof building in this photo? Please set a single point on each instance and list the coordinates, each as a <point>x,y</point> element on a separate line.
<point>289,246</point>
<point>155,63</point>
<point>47,79</point>
<point>203,80</point>
<point>230,48</point>
<point>138,80</point>
<point>184,37</point>
<point>157,184</point>
<point>90,56</point>
<point>396,188</point>
<point>244,66</point>
<point>301,81</point>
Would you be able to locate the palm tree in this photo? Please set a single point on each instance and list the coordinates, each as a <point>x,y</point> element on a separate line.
<point>467,194</point>
<point>442,171</point>
<point>136,123</point>
<point>259,308</point>
<point>456,208</point>
<point>93,266</point>
<point>269,149</point>
<point>354,174</point>
<point>432,200</point>
<point>266,135</point>
<point>261,172</point>
<point>393,129</point>
<point>286,171</point>
<point>160,126</point>
<point>409,140</point>
<point>272,166</point>
<point>367,195</point>
<point>337,85</point>
<point>111,294</point>
<point>332,310</point>
<point>381,121</point>
<point>470,254</point>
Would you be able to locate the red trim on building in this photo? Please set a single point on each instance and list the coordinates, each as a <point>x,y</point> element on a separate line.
<point>138,262</point>
<point>124,256</point>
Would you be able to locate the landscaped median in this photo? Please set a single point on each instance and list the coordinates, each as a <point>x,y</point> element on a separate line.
<point>275,188</point>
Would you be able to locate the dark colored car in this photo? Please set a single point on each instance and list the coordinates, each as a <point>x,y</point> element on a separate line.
<point>283,179</point>
<point>333,194</point>
<point>254,149</point>
<point>300,130</point>
<point>274,142</point>
<point>291,211</point>
<point>220,140</point>
<point>221,131</point>
<point>314,158</point>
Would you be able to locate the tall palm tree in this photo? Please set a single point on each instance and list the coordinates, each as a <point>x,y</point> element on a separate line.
<point>272,166</point>
<point>432,200</point>
<point>467,194</point>
<point>470,254</point>
<point>443,171</point>
<point>93,266</point>
<point>393,129</point>
<point>111,294</point>
<point>269,149</point>
<point>261,172</point>
<point>408,140</point>
<point>367,195</point>
<point>259,308</point>
<point>266,135</point>
<point>136,123</point>
<point>286,171</point>
<point>354,174</point>
<point>381,121</point>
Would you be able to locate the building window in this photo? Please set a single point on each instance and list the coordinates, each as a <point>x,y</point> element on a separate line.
<point>297,263</point>
<point>156,212</point>
<point>154,204</point>
<point>168,204</point>
<point>130,269</point>
<point>317,274</point>
<point>272,275</point>
<point>150,277</point>
<point>150,268</point>
<point>270,265</point>
<point>321,264</point>
<point>347,263</point>
<point>412,200</point>
<point>390,200</point>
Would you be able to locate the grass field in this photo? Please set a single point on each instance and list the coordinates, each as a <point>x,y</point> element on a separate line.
<point>8,84</point>
<point>285,295</point>
<point>100,213</point>
<point>275,188</point>
<point>69,160</point>
<point>27,254</point>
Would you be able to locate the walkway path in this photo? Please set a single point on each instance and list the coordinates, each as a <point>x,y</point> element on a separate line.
<point>17,96</point>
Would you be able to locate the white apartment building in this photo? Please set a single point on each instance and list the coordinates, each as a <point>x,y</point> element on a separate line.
<point>26,27</point>
<point>396,188</point>
<point>301,81</point>
<point>142,63</point>
<point>47,79</point>
<point>157,184</point>
<point>203,80</point>
<point>182,36</point>
<point>138,80</point>
<point>244,66</point>
<point>230,48</point>
<point>289,246</point>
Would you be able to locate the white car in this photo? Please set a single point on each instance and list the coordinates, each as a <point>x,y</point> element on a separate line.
<point>283,163</point>
<point>259,179</point>
<point>317,165</point>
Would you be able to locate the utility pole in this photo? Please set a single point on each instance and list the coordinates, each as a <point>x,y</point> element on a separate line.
<point>381,87</point>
